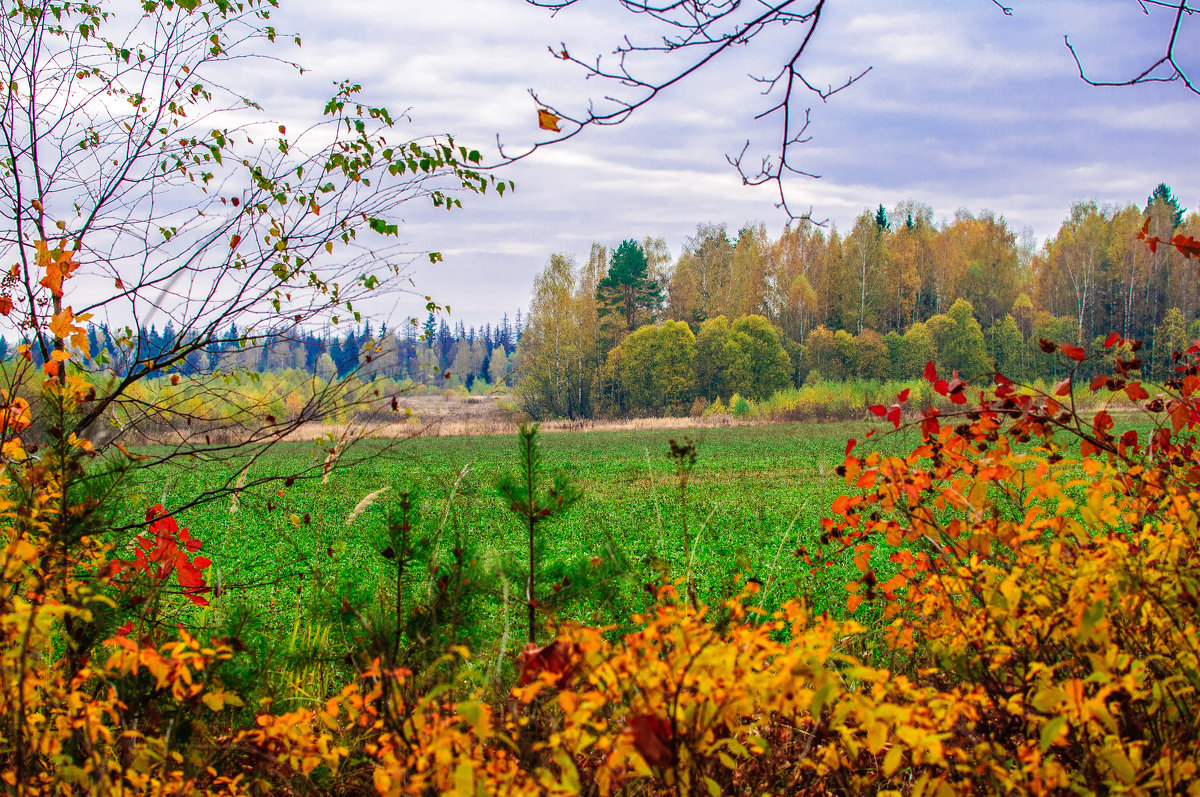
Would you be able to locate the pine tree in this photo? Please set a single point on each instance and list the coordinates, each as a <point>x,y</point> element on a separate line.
<point>627,289</point>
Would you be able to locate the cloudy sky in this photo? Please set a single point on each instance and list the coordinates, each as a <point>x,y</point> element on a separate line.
<point>964,107</point>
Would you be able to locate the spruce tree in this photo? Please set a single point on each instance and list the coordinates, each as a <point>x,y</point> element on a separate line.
<point>1163,192</point>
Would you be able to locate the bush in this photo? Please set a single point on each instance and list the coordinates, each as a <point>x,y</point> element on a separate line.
<point>739,406</point>
<point>1023,620</point>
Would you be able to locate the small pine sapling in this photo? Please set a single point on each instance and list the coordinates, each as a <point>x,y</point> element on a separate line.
<point>684,456</point>
<point>533,508</point>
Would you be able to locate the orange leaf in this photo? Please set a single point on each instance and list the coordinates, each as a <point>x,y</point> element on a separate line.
<point>548,120</point>
<point>1074,352</point>
<point>1179,415</point>
<point>58,264</point>
<point>61,324</point>
<point>1136,392</point>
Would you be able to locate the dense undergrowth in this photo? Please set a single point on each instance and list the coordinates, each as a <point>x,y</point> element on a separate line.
<point>1037,633</point>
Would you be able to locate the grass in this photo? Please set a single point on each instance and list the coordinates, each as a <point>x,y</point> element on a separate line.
<point>755,495</point>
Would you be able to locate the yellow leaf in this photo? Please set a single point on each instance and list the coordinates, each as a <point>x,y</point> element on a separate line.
<point>876,737</point>
<point>1122,767</point>
<point>464,779</point>
<point>548,120</point>
<point>891,761</point>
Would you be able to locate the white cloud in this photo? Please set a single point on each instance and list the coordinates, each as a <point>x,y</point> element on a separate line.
<point>965,107</point>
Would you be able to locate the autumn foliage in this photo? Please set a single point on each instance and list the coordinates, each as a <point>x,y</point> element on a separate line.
<point>1024,621</point>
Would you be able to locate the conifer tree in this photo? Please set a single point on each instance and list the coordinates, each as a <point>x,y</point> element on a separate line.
<point>628,289</point>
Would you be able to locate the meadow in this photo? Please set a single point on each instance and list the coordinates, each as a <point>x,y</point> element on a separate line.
<point>289,560</point>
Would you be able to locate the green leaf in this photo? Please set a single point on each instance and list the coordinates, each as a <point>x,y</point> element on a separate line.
<point>820,696</point>
<point>1050,732</point>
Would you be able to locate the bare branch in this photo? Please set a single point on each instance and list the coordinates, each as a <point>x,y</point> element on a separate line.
<point>1166,69</point>
<point>697,33</point>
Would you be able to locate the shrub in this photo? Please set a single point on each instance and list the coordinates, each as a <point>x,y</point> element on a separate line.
<point>1023,621</point>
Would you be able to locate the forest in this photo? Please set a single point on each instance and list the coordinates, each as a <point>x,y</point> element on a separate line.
<point>631,332</point>
<point>634,331</point>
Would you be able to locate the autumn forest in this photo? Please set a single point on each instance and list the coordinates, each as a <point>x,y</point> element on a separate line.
<point>631,331</point>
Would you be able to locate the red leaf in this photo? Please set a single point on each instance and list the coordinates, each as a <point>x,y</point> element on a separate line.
<point>1112,340</point>
<point>1074,352</point>
<point>652,738</point>
<point>930,372</point>
<point>1063,388</point>
<point>930,426</point>
<point>1188,246</point>
<point>555,658</point>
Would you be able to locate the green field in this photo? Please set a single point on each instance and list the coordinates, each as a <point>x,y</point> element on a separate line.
<point>756,493</point>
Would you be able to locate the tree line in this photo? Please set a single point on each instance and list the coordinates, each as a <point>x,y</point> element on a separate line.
<point>432,353</point>
<point>630,331</point>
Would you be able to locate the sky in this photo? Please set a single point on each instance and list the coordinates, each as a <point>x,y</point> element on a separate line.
<point>964,107</point>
